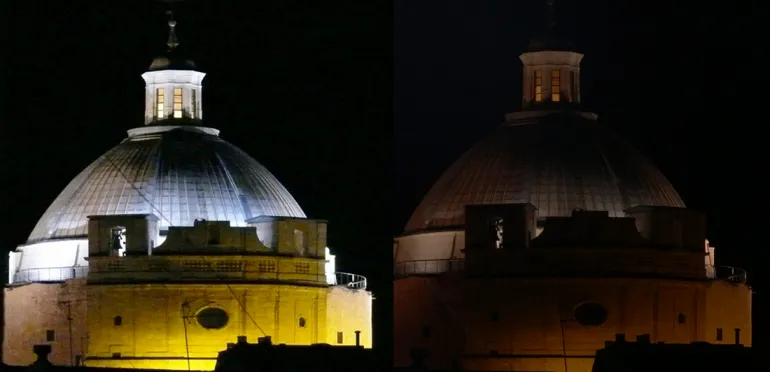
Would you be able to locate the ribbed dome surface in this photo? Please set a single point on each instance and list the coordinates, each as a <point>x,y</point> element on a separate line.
<point>178,175</point>
<point>558,163</point>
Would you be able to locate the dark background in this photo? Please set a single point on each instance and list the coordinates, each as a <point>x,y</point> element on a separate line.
<point>303,87</point>
<point>684,82</point>
<point>306,89</point>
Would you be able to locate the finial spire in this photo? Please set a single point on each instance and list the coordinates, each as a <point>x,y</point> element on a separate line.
<point>550,20</point>
<point>172,41</point>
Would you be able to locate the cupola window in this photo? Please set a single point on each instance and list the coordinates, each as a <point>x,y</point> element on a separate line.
<point>160,100</point>
<point>177,103</point>
<point>555,86</point>
<point>538,86</point>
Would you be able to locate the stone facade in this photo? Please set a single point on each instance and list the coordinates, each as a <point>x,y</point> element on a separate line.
<point>150,307</point>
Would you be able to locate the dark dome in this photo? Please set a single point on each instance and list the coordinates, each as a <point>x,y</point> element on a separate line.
<point>551,38</point>
<point>171,63</point>
<point>175,173</point>
<point>558,162</point>
<point>173,59</point>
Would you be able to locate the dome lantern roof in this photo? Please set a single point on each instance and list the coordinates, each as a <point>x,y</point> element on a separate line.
<point>173,84</point>
<point>551,68</point>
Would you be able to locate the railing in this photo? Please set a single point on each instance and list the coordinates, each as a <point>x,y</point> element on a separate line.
<point>59,274</point>
<point>434,267</point>
<point>731,274</point>
<point>349,280</point>
<point>56,274</point>
<point>428,267</point>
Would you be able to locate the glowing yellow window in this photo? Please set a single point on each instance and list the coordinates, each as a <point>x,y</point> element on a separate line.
<point>159,102</point>
<point>555,86</point>
<point>538,86</point>
<point>177,103</point>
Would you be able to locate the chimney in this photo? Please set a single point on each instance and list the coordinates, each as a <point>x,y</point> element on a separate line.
<point>42,362</point>
<point>242,340</point>
<point>737,336</point>
<point>620,337</point>
<point>267,340</point>
<point>358,338</point>
<point>643,339</point>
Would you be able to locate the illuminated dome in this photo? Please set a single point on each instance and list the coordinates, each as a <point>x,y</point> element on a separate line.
<point>177,173</point>
<point>173,167</point>
<point>558,162</point>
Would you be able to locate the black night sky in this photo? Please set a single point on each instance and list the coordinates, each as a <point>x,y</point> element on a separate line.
<point>358,107</point>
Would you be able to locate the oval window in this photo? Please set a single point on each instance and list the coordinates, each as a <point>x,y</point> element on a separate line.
<point>590,314</point>
<point>212,318</point>
<point>302,322</point>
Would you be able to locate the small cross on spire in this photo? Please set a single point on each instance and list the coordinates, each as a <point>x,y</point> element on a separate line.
<point>172,41</point>
<point>550,21</point>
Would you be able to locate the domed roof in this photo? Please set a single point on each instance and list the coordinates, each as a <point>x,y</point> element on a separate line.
<point>172,60</point>
<point>177,173</point>
<point>551,39</point>
<point>558,163</point>
<point>171,63</point>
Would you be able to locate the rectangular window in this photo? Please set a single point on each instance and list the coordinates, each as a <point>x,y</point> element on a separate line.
<point>538,86</point>
<point>555,86</point>
<point>194,103</point>
<point>719,334</point>
<point>50,335</point>
<point>160,100</point>
<point>339,337</point>
<point>177,103</point>
<point>574,86</point>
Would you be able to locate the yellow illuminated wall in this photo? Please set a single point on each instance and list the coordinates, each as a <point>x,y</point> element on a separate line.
<point>125,316</point>
<point>522,320</point>
<point>347,312</point>
<point>151,321</point>
<point>152,329</point>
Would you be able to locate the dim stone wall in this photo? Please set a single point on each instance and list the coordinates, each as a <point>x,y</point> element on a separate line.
<point>32,311</point>
<point>504,324</point>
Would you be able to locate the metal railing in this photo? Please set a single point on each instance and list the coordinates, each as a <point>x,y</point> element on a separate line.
<point>434,267</point>
<point>349,280</point>
<point>731,274</point>
<point>55,274</point>
<point>60,274</point>
<point>428,267</point>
